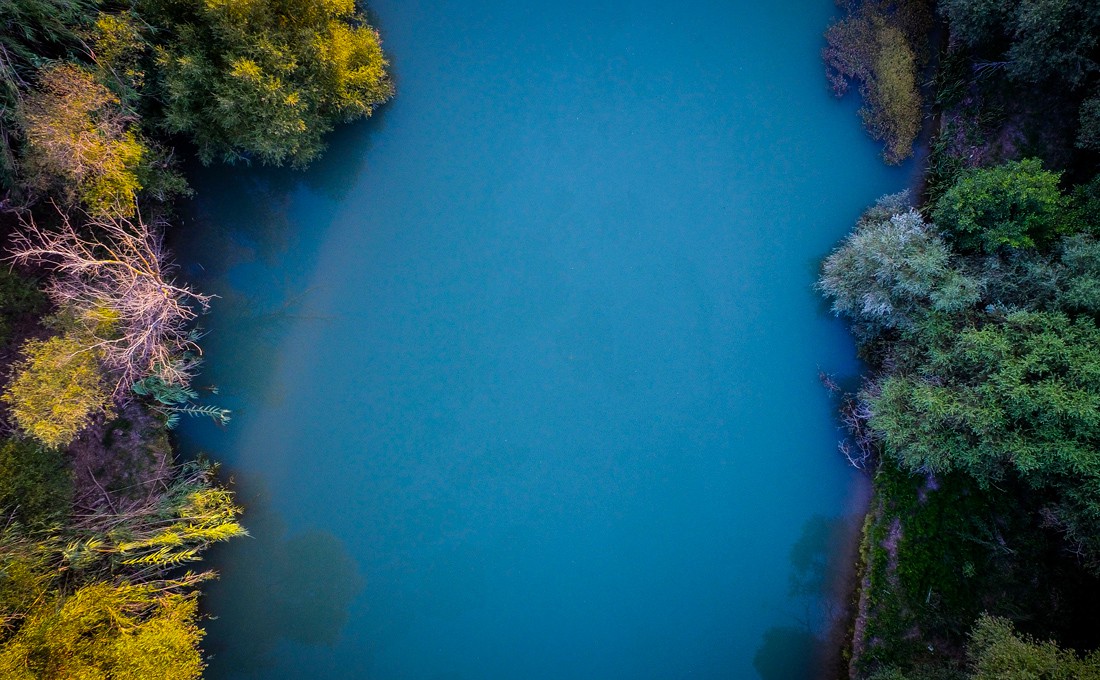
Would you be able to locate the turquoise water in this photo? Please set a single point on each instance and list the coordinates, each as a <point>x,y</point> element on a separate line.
<point>524,372</point>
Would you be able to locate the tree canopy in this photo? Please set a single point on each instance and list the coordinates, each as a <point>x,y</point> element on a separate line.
<point>1016,205</point>
<point>57,388</point>
<point>266,79</point>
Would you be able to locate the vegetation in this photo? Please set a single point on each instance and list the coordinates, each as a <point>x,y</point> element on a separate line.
<point>1017,205</point>
<point>265,80</point>
<point>998,651</point>
<point>879,45</point>
<point>976,309</point>
<point>114,277</point>
<point>56,389</point>
<point>98,337</point>
<point>80,144</point>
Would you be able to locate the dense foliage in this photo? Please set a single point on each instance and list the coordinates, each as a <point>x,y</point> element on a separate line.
<point>57,388</point>
<point>97,337</point>
<point>879,45</point>
<point>265,80</point>
<point>1017,205</point>
<point>977,311</point>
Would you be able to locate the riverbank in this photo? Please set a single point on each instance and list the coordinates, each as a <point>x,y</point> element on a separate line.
<point>964,539</point>
<point>99,343</point>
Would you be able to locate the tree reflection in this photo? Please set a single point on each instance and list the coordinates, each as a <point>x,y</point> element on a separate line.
<point>277,587</point>
<point>822,566</point>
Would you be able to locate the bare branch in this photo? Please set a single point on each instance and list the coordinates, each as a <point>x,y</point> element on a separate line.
<point>115,274</point>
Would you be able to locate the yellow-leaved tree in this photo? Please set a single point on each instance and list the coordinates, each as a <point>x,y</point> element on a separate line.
<point>57,387</point>
<point>80,143</point>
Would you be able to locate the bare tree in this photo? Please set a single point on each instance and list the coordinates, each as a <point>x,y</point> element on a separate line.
<point>115,274</point>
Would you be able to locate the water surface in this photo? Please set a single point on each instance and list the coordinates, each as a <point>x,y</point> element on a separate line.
<point>524,372</point>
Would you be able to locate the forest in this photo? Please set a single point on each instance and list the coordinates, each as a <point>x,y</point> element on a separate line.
<point>103,527</point>
<point>975,302</point>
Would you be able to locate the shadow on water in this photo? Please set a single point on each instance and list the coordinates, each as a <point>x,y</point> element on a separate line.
<point>822,568</point>
<point>284,588</point>
<point>245,211</point>
<point>252,237</point>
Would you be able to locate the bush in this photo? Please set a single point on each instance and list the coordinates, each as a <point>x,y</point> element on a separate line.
<point>871,49</point>
<point>891,271</point>
<point>893,110</point>
<point>18,296</point>
<point>56,389</point>
<point>998,652</point>
<point>80,143</point>
<point>35,483</point>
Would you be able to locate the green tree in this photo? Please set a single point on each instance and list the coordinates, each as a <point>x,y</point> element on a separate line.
<point>1054,39</point>
<point>1015,205</point>
<point>997,652</point>
<point>893,110</point>
<point>56,389</point>
<point>976,22</point>
<point>31,31</point>
<point>1020,392</point>
<point>1080,288</point>
<point>1044,38</point>
<point>1088,135</point>
<point>265,79</point>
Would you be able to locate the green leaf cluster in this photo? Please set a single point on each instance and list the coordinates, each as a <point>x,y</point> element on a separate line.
<point>102,630</point>
<point>1021,391</point>
<point>1016,205</point>
<point>265,79</point>
<point>998,652</point>
<point>892,269</point>
<point>36,486</point>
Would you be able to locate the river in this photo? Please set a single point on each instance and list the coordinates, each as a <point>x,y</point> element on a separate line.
<point>525,371</point>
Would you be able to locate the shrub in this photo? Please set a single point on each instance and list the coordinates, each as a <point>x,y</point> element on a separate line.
<point>35,483</point>
<point>869,48</point>
<point>266,79</point>
<point>892,270</point>
<point>80,143</point>
<point>56,389</point>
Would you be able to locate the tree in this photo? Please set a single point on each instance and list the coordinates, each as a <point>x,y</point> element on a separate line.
<point>29,31</point>
<point>80,143</point>
<point>1020,392</point>
<point>265,79</point>
<point>126,632</point>
<point>1045,39</point>
<point>1054,39</point>
<point>893,110</point>
<point>1088,135</point>
<point>997,652</point>
<point>116,278</point>
<point>892,270</point>
<point>56,389</point>
<point>976,22</point>
<point>875,47</point>
<point>1015,205</point>
<point>1080,290</point>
